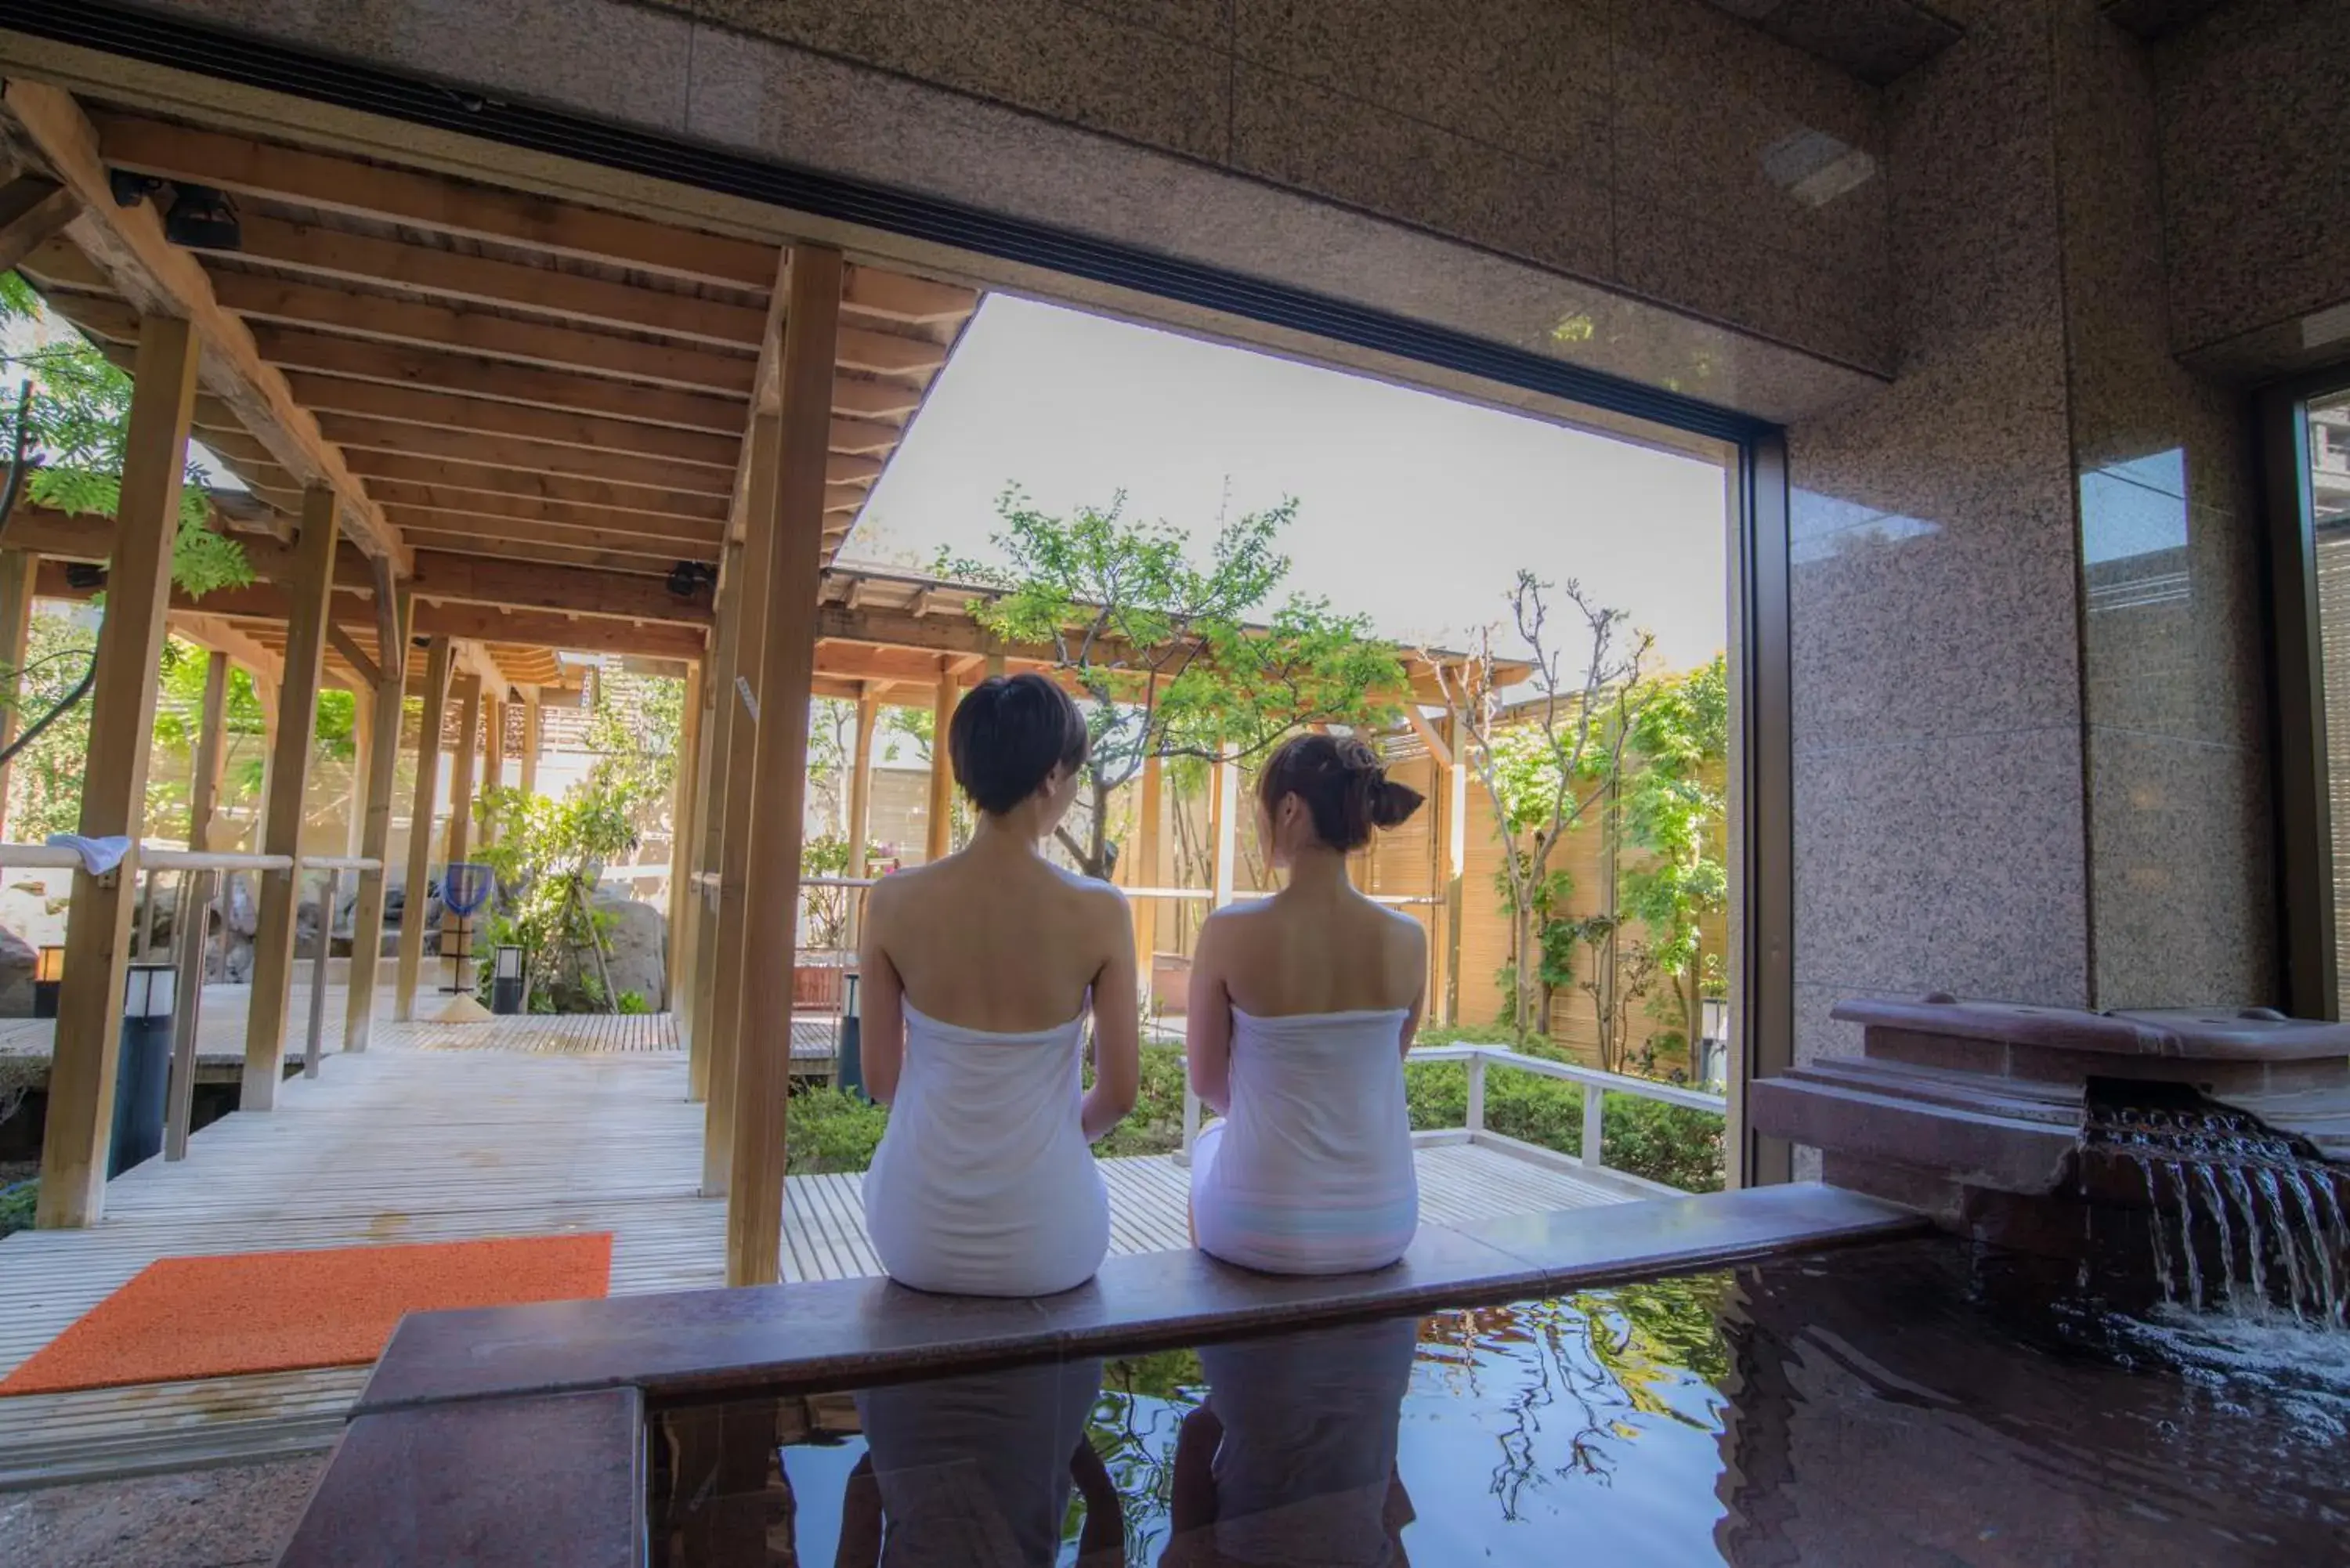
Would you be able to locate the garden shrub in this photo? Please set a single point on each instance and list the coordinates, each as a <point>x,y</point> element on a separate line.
<point>16,1205</point>
<point>832,1130</point>
<point>1672,1144</point>
<point>633,1002</point>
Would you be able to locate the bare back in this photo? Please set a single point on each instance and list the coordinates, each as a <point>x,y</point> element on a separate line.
<point>1331,952</point>
<point>1000,942</point>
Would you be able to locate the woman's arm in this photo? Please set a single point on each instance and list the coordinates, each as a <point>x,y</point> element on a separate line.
<point>880,1004</point>
<point>1418,967</point>
<point>1118,1027</point>
<point>1208,1025</point>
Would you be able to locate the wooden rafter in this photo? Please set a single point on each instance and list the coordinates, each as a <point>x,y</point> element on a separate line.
<point>32,210</point>
<point>128,245</point>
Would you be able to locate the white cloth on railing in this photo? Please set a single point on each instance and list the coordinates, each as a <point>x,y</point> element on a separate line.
<point>98,855</point>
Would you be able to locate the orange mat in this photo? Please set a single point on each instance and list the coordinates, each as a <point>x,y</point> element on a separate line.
<point>276,1312</point>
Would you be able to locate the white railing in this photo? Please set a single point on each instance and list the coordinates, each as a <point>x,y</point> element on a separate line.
<point>1595,1085</point>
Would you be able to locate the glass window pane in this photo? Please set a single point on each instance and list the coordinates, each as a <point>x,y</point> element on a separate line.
<point>2329,486</point>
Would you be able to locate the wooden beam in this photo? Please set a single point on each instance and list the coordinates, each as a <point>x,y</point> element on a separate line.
<point>887,354</point>
<point>467,580</point>
<point>514,454</point>
<point>468,479</point>
<point>79,1128</point>
<point>401,365</point>
<point>1427,735</point>
<point>355,656</point>
<point>940,840</point>
<point>587,634</point>
<point>537,549</point>
<point>484,280</point>
<point>204,776</point>
<point>717,729</point>
<point>420,830</point>
<point>407,499</point>
<point>683,796</point>
<point>874,291</point>
<point>289,772</point>
<point>461,810</point>
<point>375,828</point>
<point>530,721</point>
<point>153,274</point>
<point>16,574</point>
<point>1142,869</point>
<point>751,611</point>
<point>32,211</point>
<point>383,318</point>
<point>763,1057</point>
<point>432,201</point>
<point>450,409</point>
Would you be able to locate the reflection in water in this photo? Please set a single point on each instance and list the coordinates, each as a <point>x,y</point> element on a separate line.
<point>1914,1405</point>
<point>1292,1459</point>
<point>978,1470</point>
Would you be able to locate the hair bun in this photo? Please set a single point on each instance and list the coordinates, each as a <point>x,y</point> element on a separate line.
<point>1391,803</point>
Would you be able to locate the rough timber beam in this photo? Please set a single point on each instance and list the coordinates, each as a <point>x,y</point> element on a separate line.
<point>158,277</point>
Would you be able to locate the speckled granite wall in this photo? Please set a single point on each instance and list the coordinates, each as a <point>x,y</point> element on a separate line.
<point>2253,121</point>
<point>2029,727</point>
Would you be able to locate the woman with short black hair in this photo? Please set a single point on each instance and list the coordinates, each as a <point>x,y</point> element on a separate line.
<point>979,975</point>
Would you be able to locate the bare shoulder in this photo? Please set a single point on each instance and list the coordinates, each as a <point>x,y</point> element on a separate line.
<point>1231,922</point>
<point>887,893</point>
<point>1099,899</point>
<point>1402,928</point>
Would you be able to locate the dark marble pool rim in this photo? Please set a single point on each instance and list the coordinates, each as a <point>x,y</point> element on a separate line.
<point>847,1331</point>
<point>511,1435</point>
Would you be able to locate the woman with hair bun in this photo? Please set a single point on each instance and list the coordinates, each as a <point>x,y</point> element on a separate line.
<point>980,974</point>
<point>1301,1007</point>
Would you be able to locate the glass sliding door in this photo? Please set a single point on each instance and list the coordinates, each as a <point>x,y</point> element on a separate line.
<point>2328,433</point>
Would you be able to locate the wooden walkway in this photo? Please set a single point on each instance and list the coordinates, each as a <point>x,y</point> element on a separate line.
<point>417,1140</point>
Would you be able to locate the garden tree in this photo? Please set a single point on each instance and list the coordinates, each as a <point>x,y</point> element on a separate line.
<point>633,725</point>
<point>1548,763</point>
<point>69,421</point>
<point>1674,803</point>
<point>1163,653</point>
<point>548,855</point>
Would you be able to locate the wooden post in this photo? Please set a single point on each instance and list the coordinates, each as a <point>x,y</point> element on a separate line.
<point>204,775</point>
<point>80,1123</point>
<point>1456,859</point>
<point>995,666</point>
<point>1146,872</point>
<point>722,1021</point>
<point>717,743</point>
<point>940,839</point>
<point>435,705</point>
<point>1223,825</point>
<point>289,769</point>
<point>530,713</point>
<point>374,828</point>
<point>16,570</point>
<point>681,839</point>
<point>762,1055</point>
<point>861,806</point>
<point>461,809</point>
<point>493,754</point>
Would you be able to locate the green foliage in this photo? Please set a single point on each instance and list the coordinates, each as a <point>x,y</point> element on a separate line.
<point>1162,648</point>
<point>1671,809</point>
<point>1155,1126</point>
<point>832,1130</point>
<point>18,1202</point>
<point>548,856</point>
<point>826,910</point>
<point>74,428</point>
<point>633,1004</point>
<point>45,779</point>
<point>634,722</point>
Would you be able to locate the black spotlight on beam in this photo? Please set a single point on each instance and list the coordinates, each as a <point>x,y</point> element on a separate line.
<point>686,578</point>
<point>85,576</point>
<point>203,219</point>
<point>129,189</point>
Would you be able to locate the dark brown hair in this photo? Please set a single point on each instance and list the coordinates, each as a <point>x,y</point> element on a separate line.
<point>1343,783</point>
<point>1008,735</point>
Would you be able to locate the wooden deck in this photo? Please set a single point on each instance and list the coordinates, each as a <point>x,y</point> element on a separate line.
<point>529,1126</point>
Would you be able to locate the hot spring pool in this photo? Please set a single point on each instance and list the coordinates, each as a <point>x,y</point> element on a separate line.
<point>1911,1402</point>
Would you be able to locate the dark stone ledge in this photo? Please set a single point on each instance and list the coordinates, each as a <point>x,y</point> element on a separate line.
<point>851,1331</point>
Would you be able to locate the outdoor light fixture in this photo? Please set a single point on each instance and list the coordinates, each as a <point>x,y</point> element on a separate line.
<point>505,981</point>
<point>203,219</point>
<point>686,578</point>
<point>1717,1017</point>
<point>129,189</point>
<point>85,576</point>
<point>142,1076</point>
<point>48,973</point>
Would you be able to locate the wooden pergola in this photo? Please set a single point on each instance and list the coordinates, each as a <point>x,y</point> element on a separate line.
<point>473,424</point>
